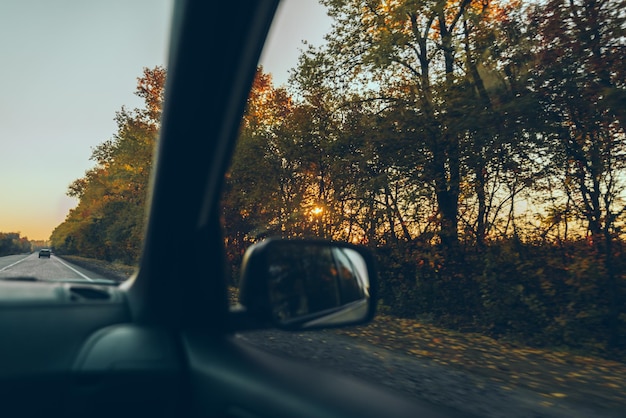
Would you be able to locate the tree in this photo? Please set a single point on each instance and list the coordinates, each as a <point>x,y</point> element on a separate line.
<point>430,67</point>
<point>259,188</point>
<point>580,60</point>
<point>109,218</point>
<point>580,78</point>
<point>13,243</point>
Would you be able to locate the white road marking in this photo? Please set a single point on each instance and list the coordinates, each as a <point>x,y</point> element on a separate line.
<point>11,265</point>
<point>73,269</point>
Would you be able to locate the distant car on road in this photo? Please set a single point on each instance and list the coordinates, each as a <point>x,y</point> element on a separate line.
<point>44,252</point>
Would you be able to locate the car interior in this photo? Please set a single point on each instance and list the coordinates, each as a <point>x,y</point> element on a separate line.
<point>163,343</point>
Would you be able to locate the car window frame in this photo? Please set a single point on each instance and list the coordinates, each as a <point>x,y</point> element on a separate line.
<point>182,229</point>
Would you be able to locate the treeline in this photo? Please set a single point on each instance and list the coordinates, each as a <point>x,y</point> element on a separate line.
<point>477,147</point>
<point>108,221</point>
<point>12,243</point>
<point>458,123</point>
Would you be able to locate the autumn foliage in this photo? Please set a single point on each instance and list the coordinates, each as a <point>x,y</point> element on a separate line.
<point>477,147</point>
<point>109,219</point>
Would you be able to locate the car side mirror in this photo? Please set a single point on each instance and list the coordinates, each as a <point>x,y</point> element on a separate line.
<point>306,284</point>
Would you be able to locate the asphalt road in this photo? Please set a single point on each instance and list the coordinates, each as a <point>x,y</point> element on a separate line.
<point>53,268</point>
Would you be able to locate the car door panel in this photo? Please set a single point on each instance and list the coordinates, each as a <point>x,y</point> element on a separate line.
<point>128,370</point>
<point>44,326</point>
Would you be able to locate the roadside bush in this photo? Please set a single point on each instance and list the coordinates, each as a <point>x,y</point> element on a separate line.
<point>539,294</point>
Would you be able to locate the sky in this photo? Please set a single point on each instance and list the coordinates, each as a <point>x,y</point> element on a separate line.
<point>68,66</point>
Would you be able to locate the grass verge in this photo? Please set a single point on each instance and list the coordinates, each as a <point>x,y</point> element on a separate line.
<point>112,271</point>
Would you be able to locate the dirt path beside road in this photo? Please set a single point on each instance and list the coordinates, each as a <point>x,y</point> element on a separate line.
<point>463,386</point>
<point>556,376</point>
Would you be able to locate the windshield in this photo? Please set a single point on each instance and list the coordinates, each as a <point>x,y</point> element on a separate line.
<point>81,90</point>
<point>477,148</point>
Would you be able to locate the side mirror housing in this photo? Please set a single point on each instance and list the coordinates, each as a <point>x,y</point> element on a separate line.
<point>306,284</point>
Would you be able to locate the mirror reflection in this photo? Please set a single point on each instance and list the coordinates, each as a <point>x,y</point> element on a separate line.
<point>321,285</point>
